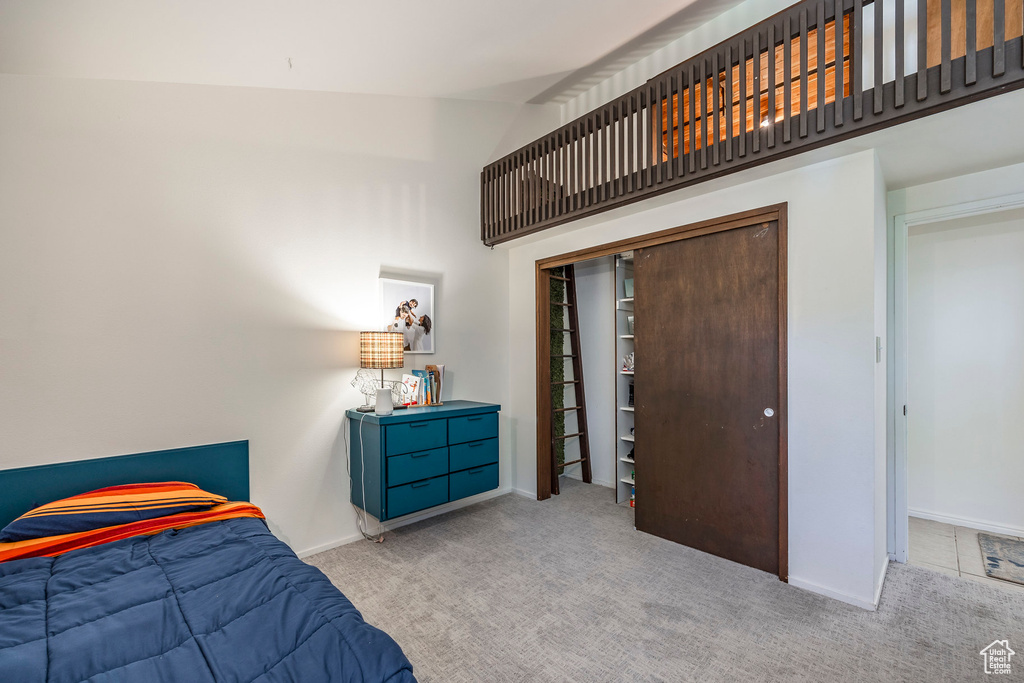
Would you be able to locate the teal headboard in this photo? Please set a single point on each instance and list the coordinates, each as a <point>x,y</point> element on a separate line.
<point>221,468</point>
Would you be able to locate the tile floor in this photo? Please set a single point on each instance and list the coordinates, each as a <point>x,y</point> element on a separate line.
<point>948,549</point>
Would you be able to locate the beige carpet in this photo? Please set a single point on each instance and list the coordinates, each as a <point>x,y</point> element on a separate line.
<point>566,590</point>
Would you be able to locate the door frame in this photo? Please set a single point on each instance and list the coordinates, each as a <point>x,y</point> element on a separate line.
<point>777,213</point>
<point>899,503</point>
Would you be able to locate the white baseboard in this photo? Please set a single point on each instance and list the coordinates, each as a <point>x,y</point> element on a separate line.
<point>408,519</point>
<point>532,495</point>
<point>324,547</point>
<point>831,593</point>
<point>970,523</point>
<point>578,476</point>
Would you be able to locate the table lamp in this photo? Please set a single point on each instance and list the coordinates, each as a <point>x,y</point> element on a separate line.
<point>382,350</point>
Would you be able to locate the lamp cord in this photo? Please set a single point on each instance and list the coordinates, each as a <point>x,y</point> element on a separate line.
<point>362,524</point>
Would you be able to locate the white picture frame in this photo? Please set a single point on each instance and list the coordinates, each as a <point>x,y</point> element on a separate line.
<point>408,307</point>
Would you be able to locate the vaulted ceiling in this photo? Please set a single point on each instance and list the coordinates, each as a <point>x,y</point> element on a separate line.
<point>521,50</point>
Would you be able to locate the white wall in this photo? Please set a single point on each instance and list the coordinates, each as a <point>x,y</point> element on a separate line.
<point>191,264</point>
<point>883,410</point>
<point>721,27</point>
<point>731,22</point>
<point>833,457</point>
<point>966,371</point>
<point>595,287</point>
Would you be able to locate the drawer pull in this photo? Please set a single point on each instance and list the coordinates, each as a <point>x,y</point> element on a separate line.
<point>474,419</point>
<point>419,424</point>
<point>477,470</point>
<point>420,484</point>
<point>420,455</point>
<point>476,443</point>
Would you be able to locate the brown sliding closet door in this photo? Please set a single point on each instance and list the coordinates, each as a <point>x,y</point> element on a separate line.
<point>708,317</point>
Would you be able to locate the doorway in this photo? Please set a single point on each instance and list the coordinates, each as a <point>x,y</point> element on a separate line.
<point>710,384</point>
<point>958,373</point>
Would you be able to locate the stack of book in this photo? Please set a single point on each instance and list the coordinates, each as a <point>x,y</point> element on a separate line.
<point>423,387</point>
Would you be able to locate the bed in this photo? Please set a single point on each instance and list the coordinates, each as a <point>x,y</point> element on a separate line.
<point>218,601</point>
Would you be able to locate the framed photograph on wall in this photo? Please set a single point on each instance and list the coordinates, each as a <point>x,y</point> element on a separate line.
<point>408,307</point>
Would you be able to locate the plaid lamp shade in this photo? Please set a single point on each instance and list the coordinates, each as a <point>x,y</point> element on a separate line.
<point>381,350</point>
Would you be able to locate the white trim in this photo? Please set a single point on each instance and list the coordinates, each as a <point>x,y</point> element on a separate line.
<point>901,530</point>
<point>903,222</point>
<point>882,571</point>
<point>981,525</point>
<point>976,208</point>
<point>324,547</point>
<point>831,593</point>
<point>578,476</point>
<point>392,524</point>
<point>532,495</point>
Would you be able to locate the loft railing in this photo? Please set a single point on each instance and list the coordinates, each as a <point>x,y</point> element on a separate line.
<point>816,73</point>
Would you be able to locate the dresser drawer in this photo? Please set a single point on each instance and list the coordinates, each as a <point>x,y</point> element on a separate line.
<point>418,495</point>
<point>473,481</point>
<point>409,467</point>
<point>472,428</point>
<point>413,437</point>
<point>473,454</point>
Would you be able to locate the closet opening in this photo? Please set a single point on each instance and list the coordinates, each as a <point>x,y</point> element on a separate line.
<point>661,374</point>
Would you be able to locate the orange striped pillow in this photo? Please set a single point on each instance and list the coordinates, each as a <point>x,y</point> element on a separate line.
<point>109,507</point>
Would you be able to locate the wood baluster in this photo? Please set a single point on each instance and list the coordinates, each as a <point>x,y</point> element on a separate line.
<point>630,145</point>
<point>971,65</point>
<point>999,37</point>
<point>857,68</point>
<point>757,91</point>
<point>623,119</point>
<point>716,119</point>
<point>787,78</point>
<point>900,88</point>
<point>803,73</point>
<point>879,73</point>
<point>705,128</point>
<point>728,103</point>
<point>660,93</point>
<point>945,79</point>
<point>670,111</point>
<point>822,70</point>
<point>922,49</point>
<point>840,35</point>
<point>743,100</point>
<point>771,85</point>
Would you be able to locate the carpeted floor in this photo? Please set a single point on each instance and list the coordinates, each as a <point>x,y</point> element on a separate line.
<point>566,590</point>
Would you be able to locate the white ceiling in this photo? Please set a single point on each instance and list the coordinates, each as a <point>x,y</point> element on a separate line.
<point>509,50</point>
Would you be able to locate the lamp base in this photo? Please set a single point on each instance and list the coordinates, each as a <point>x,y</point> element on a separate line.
<point>384,404</point>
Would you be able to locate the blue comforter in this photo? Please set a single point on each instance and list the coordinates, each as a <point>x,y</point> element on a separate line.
<point>225,601</point>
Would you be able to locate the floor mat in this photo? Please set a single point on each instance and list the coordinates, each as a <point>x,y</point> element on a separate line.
<point>1004,557</point>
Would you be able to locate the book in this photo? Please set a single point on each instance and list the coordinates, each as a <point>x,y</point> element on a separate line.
<point>436,373</point>
<point>423,394</point>
<point>410,389</point>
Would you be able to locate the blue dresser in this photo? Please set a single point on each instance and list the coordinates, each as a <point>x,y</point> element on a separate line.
<point>421,457</point>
